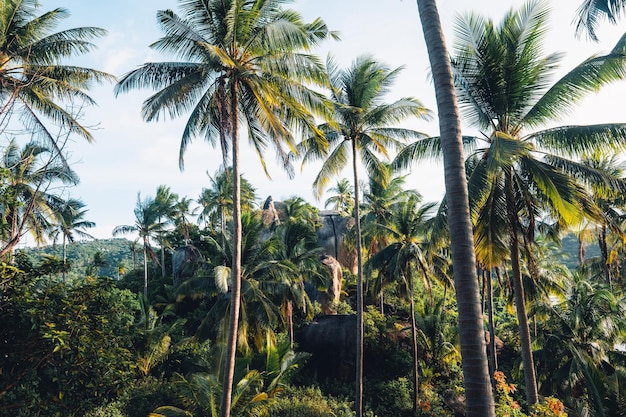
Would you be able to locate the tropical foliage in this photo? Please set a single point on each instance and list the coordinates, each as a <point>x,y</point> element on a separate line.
<point>234,306</point>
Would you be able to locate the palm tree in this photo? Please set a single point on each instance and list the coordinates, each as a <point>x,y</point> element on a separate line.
<point>28,173</point>
<point>164,203</point>
<point>579,359</point>
<point>361,129</point>
<point>147,226</point>
<point>611,203</point>
<point>590,12</point>
<point>70,222</point>
<point>182,215</point>
<point>34,81</point>
<point>478,393</point>
<point>400,259</point>
<point>343,199</point>
<point>519,173</point>
<point>217,201</point>
<point>508,183</point>
<point>245,64</point>
<point>384,193</point>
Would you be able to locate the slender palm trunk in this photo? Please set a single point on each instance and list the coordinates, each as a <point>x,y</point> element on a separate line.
<point>415,347</point>
<point>162,258</point>
<point>530,380</point>
<point>145,268</point>
<point>64,257</point>
<point>493,356</point>
<point>235,293</point>
<point>358,403</point>
<point>604,251</point>
<point>289,318</point>
<point>479,396</point>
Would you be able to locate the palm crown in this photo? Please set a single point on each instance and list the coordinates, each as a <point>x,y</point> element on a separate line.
<point>33,79</point>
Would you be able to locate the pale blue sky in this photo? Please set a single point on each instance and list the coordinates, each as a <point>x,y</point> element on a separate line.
<point>131,156</point>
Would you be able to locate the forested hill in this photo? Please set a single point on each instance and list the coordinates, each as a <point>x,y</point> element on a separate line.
<point>115,256</point>
<point>111,257</point>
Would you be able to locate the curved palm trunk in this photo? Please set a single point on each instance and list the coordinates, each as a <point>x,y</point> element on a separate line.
<point>358,403</point>
<point>479,397</point>
<point>235,293</point>
<point>530,380</point>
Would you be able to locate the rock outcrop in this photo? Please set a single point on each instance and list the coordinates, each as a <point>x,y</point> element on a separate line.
<point>184,263</point>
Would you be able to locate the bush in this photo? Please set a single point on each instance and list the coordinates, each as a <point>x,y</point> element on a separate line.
<point>309,402</point>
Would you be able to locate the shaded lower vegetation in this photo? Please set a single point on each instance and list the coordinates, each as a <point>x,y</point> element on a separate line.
<point>96,347</point>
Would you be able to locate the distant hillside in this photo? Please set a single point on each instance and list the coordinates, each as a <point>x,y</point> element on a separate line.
<point>569,246</point>
<point>115,252</point>
<point>118,252</point>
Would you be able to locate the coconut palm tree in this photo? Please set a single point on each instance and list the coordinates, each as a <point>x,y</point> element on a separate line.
<point>362,129</point>
<point>478,393</point>
<point>383,195</point>
<point>578,358</point>
<point>403,258</point>
<point>217,202</point>
<point>147,226</point>
<point>28,174</point>
<point>69,219</point>
<point>182,215</point>
<point>507,96</point>
<point>343,199</point>
<point>243,63</point>
<point>164,203</point>
<point>515,177</point>
<point>34,80</point>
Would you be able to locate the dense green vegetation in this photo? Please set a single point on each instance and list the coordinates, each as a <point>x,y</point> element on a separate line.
<point>225,306</point>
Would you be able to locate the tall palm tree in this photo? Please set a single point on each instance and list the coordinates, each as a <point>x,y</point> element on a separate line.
<point>182,215</point>
<point>244,63</point>
<point>502,79</point>
<point>478,393</point>
<point>383,195</point>
<point>343,199</point>
<point>34,80</point>
<point>362,129</point>
<point>504,97</point>
<point>402,258</point>
<point>611,203</point>
<point>147,226</point>
<point>164,203</point>
<point>28,174</point>
<point>70,222</point>
<point>217,202</point>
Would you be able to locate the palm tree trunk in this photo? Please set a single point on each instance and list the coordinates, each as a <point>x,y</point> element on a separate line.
<point>162,259</point>
<point>358,403</point>
<point>493,356</point>
<point>289,317</point>
<point>604,251</point>
<point>64,257</point>
<point>479,396</point>
<point>145,268</point>
<point>530,380</point>
<point>415,348</point>
<point>235,293</point>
